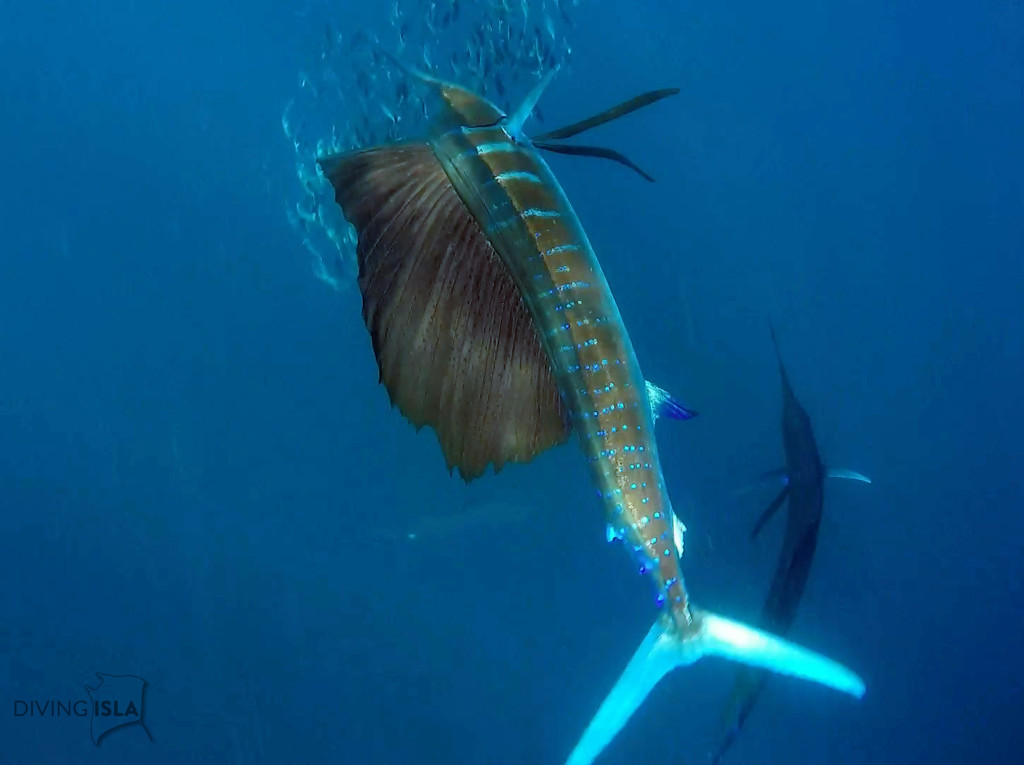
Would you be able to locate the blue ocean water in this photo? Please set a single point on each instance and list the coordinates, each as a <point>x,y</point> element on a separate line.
<point>203,485</point>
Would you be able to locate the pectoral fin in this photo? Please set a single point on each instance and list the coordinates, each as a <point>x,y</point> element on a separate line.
<point>844,473</point>
<point>663,404</point>
<point>770,511</point>
<point>779,477</point>
<point>545,141</point>
<point>593,151</point>
<point>516,120</point>
<point>678,534</point>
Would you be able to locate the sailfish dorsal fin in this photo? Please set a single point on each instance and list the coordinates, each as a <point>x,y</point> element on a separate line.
<point>454,342</point>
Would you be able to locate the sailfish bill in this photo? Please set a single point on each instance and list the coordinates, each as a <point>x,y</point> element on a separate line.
<point>492,322</point>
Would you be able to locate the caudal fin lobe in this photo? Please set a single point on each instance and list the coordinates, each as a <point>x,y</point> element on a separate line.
<point>664,649</point>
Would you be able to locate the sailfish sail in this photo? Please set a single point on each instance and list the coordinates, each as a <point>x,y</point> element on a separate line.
<point>451,334</point>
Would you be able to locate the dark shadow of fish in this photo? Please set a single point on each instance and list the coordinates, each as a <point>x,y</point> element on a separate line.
<point>492,322</point>
<point>803,485</point>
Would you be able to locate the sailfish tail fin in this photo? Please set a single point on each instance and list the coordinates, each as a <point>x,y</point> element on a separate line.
<point>755,648</point>
<point>664,649</point>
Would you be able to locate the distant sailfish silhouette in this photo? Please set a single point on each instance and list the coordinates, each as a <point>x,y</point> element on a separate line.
<point>803,484</point>
<point>492,322</point>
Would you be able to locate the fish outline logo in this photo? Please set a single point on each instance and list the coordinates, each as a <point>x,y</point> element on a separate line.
<point>116,702</point>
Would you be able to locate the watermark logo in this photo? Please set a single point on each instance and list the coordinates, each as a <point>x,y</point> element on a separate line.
<point>115,701</point>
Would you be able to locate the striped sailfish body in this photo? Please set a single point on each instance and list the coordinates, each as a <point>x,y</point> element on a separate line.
<point>492,322</point>
<point>525,215</point>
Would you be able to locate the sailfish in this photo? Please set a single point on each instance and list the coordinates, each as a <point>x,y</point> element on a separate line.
<point>492,322</point>
<point>803,485</point>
